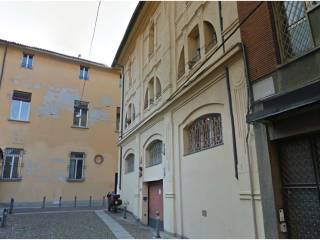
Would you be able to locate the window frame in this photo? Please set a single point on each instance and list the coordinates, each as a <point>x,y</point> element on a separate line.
<point>12,160</point>
<point>188,150</point>
<point>20,110</point>
<point>150,161</point>
<point>80,114</point>
<point>76,159</point>
<point>28,57</point>
<point>83,70</point>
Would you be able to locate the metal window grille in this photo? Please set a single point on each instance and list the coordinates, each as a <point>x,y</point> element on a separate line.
<point>129,163</point>
<point>11,167</point>
<point>205,132</point>
<point>154,153</point>
<point>294,34</point>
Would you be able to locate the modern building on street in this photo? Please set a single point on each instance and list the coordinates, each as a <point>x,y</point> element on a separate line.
<point>282,42</point>
<point>186,151</point>
<point>58,128</point>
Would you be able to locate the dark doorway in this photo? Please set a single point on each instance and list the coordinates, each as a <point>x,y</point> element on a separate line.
<point>155,193</point>
<point>299,159</point>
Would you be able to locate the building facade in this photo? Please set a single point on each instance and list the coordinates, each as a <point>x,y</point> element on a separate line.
<point>282,41</point>
<point>186,151</point>
<point>58,127</point>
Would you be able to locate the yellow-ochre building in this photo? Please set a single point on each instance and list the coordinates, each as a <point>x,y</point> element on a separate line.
<point>186,151</point>
<point>58,127</point>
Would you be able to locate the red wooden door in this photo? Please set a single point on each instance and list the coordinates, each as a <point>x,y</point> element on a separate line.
<point>155,203</point>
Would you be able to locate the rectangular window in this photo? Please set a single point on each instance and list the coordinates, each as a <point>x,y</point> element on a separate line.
<point>27,60</point>
<point>118,119</point>
<point>80,115</point>
<point>84,73</point>
<point>11,163</point>
<point>76,165</point>
<point>20,106</point>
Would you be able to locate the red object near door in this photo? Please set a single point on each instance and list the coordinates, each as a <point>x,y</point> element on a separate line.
<point>155,192</point>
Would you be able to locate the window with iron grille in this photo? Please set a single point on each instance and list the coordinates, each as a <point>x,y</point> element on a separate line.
<point>129,163</point>
<point>84,73</point>
<point>80,115</point>
<point>154,153</point>
<point>20,106</point>
<point>295,34</point>
<point>27,60</point>
<point>203,133</point>
<point>76,167</point>
<point>12,163</point>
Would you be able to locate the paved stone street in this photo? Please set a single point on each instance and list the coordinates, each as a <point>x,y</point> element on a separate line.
<point>62,224</point>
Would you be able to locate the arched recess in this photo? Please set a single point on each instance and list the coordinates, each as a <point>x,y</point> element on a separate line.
<point>158,88</point>
<point>194,46</point>
<point>181,64</point>
<point>146,99</point>
<point>154,153</point>
<point>151,39</point>
<point>129,163</point>
<point>210,36</point>
<point>151,90</point>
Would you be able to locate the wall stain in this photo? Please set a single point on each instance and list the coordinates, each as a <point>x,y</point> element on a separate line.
<point>57,99</point>
<point>97,115</point>
<point>106,101</point>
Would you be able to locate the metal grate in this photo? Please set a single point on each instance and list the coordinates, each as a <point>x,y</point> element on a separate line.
<point>294,34</point>
<point>299,159</point>
<point>205,132</point>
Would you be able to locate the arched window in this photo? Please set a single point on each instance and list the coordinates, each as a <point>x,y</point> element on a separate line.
<point>210,36</point>
<point>181,64</point>
<point>133,113</point>
<point>151,91</point>
<point>154,153</point>
<point>130,115</point>
<point>203,133</point>
<point>129,163</point>
<point>151,39</point>
<point>158,88</point>
<point>194,46</point>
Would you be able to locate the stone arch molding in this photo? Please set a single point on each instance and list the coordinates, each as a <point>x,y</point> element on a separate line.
<point>128,152</point>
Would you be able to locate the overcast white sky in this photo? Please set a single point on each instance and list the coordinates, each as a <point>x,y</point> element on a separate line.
<point>67,26</point>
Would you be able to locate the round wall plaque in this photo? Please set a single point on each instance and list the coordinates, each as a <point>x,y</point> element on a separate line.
<point>98,159</point>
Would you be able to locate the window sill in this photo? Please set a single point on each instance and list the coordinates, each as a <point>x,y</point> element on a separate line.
<point>79,127</point>
<point>10,179</point>
<point>75,180</point>
<point>16,120</point>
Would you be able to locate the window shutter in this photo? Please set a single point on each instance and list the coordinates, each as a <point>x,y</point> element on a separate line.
<point>21,96</point>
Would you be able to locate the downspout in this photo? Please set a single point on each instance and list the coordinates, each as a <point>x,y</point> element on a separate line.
<point>121,123</point>
<point>3,62</point>
<point>221,25</point>
<point>235,154</point>
<point>249,108</point>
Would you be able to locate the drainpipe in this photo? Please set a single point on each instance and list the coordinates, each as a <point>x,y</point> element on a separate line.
<point>249,107</point>
<point>234,142</point>
<point>3,62</point>
<point>221,24</point>
<point>121,122</point>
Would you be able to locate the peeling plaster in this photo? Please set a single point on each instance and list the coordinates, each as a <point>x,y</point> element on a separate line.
<point>106,101</point>
<point>57,99</point>
<point>26,84</point>
<point>97,115</point>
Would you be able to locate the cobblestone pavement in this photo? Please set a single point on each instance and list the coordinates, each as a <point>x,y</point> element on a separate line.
<point>63,224</point>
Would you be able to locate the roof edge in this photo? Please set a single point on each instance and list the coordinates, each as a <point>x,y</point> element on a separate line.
<point>56,54</point>
<point>128,31</point>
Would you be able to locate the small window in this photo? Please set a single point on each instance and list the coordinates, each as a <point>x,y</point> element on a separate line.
<point>146,99</point>
<point>76,166</point>
<point>158,88</point>
<point>118,119</point>
<point>84,73</point>
<point>129,163</point>
<point>203,133</point>
<point>11,163</point>
<point>131,115</point>
<point>27,60</point>
<point>154,153</point>
<point>80,115</point>
<point>20,106</point>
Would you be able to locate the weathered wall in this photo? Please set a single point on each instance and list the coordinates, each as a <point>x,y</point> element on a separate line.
<point>48,137</point>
